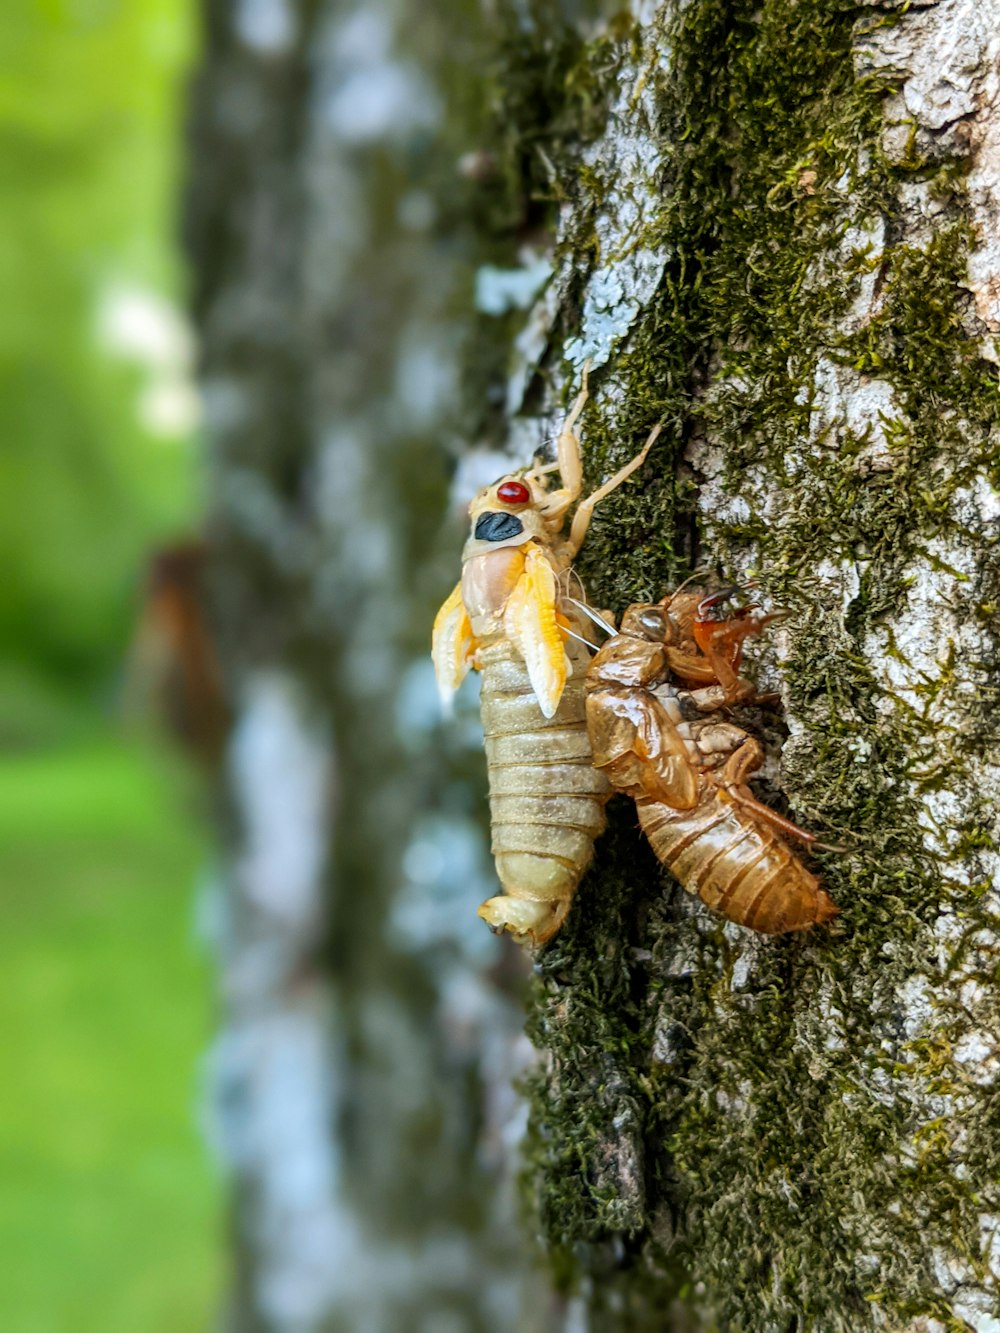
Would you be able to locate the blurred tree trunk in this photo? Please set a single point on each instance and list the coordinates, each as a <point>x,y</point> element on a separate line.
<point>772,226</point>
<point>361,1082</point>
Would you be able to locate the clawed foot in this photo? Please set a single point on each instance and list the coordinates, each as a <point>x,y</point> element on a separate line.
<point>527,921</point>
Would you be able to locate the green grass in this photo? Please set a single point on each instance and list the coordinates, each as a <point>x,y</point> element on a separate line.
<point>109,1209</point>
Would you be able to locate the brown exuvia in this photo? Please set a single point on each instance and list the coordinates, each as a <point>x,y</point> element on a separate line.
<point>668,746</point>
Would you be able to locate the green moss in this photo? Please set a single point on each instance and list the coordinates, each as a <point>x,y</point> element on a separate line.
<point>694,1136</point>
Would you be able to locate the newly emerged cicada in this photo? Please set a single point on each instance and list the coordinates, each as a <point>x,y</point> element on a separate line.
<point>511,618</point>
<point>668,746</point>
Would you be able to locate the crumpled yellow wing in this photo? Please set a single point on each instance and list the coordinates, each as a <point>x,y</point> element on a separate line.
<point>453,646</point>
<point>532,625</point>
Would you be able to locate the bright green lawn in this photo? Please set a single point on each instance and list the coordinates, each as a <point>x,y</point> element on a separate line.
<point>109,1209</point>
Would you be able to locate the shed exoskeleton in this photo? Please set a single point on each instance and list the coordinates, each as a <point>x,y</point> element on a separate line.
<point>656,691</point>
<point>511,618</point>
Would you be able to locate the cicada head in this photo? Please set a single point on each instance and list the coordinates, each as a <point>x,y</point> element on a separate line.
<point>636,656</point>
<point>507,513</point>
<point>647,620</point>
<point>679,612</point>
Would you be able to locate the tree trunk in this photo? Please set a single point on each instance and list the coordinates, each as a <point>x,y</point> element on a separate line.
<point>771,226</point>
<point>781,241</point>
<point>360,1087</point>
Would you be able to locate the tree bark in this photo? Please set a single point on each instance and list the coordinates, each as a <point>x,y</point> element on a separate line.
<point>781,241</point>
<point>771,226</point>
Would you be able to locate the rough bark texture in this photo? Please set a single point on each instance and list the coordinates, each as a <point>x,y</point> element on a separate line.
<point>772,225</point>
<point>781,240</point>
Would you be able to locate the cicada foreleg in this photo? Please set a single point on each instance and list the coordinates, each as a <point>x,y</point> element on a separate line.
<point>712,698</point>
<point>721,641</point>
<point>569,462</point>
<point>585,512</point>
<point>733,779</point>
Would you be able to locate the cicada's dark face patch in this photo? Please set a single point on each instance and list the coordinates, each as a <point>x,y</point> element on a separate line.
<point>497,527</point>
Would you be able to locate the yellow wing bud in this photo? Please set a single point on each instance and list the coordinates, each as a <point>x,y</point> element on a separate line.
<point>530,623</point>
<point>453,646</point>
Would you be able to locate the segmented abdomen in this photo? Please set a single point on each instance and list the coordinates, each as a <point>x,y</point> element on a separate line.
<point>736,864</point>
<point>546,798</point>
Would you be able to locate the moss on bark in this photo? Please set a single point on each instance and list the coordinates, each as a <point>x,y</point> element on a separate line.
<point>763,1129</point>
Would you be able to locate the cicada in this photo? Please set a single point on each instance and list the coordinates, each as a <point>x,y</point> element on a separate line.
<point>656,691</point>
<point>512,619</point>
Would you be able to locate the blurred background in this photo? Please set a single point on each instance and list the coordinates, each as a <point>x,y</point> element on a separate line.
<point>257,1048</point>
<point>111,1212</point>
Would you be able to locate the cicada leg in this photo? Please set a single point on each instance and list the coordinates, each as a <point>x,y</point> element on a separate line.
<point>583,515</point>
<point>734,776</point>
<point>569,460</point>
<point>722,641</point>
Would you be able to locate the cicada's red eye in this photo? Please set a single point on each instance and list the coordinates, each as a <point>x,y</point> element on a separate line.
<point>513,493</point>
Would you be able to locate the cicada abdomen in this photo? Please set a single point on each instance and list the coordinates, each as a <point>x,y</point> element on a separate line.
<point>736,864</point>
<point>688,771</point>
<point>546,798</point>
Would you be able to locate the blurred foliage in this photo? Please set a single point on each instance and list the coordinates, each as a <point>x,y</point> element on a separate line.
<point>108,1216</point>
<point>89,150</point>
<point>108,1213</point>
